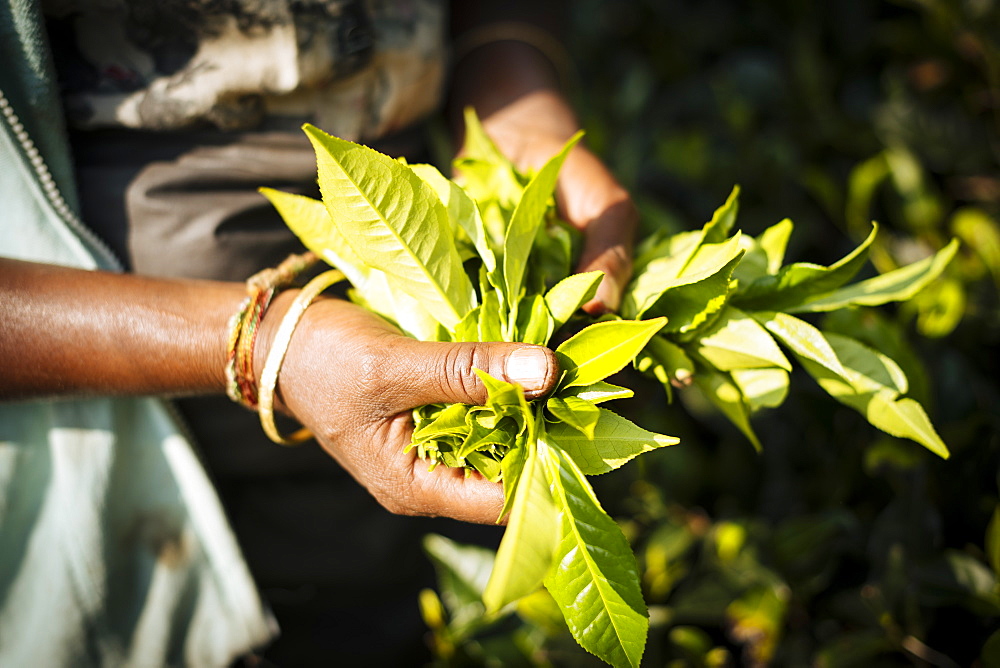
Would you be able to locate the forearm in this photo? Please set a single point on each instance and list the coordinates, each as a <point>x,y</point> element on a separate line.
<point>514,85</point>
<point>72,332</point>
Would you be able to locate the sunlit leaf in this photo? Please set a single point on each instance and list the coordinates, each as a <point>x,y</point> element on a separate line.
<point>898,285</point>
<point>527,551</point>
<point>602,349</point>
<point>596,582</point>
<point>377,202</point>
<point>737,341</point>
<point>615,441</point>
<point>568,295</point>
<point>576,413</point>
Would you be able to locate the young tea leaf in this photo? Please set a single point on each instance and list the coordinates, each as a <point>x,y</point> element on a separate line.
<point>602,349</point>
<point>525,221</point>
<point>797,283</point>
<point>527,551</point>
<point>615,441</point>
<point>574,412</point>
<point>394,222</point>
<point>596,583</point>
<point>568,295</point>
<point>898,285</point>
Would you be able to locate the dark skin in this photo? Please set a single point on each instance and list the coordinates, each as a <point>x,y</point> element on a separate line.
<point>349,376</point>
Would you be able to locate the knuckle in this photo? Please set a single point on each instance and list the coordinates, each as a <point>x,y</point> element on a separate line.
<point>458,364</point>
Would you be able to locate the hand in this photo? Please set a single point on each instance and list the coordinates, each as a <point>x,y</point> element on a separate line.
<point>353,379</point>
<point>532,130</point>
<point>515,93</point>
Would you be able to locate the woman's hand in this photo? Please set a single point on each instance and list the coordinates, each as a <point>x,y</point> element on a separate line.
<point>534,128</point>
<point>516,92</point>
<point>353,380</point>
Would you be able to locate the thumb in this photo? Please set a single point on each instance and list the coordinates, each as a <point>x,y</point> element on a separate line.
<point>432,372</point>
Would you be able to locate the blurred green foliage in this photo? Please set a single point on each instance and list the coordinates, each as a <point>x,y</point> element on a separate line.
<point>836,545</point>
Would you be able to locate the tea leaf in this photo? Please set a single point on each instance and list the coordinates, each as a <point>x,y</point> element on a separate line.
<point>527,551</point>
<point>598,392</point>
<point>737,341</point>
<point>761,388</point>
<point>525,221</point>
<point>719,389</point>
<point>568,295</point>
<point>574,412</point>
<point>602,349</point>
<point>596,583</point>
<point>898,285</point>
<point>614,442</point>
<point>871,383</point>
<point>801,338</point>
<point>799,282</point>
<point>461,210</point>
<point>691,303</point>
<point>394,222</point>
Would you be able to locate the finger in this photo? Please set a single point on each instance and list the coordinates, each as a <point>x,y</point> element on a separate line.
<point>406,485</point>
<point>608,247</point>
<point>430,373</point>
<point>590,199</point>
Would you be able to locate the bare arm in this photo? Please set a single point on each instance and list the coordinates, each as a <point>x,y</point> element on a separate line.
<point>349,376</point>
<point>67,331</point>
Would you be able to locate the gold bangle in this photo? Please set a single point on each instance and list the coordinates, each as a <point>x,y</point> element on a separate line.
<point>516,31</point>
<point>276,355</point>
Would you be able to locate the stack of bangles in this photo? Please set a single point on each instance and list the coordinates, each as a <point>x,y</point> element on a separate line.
<point>241,385</point>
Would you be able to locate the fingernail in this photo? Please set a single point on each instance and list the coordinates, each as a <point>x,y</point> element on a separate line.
<point>528,367</point>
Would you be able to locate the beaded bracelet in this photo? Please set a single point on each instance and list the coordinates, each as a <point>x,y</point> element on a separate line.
<point>275,356</point>
<point>244,325</point>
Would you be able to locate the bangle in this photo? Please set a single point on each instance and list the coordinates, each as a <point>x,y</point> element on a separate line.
<point>241,385</point>
<point>517,31</point>
<point>275,356</point>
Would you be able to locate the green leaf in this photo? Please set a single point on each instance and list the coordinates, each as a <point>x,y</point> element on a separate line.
<point>615,441</point>
<point>710,258</point>
<point>451,421</point>
<point>737,341</point>
<point>596,583</point>
<point>898,285</point>
<point>526,553</point>
<point>717,229</point>
<point>526,220</point>
<point>871,383</point>
<point>599,392</point>
<point>568,295</point>
<point>574,412</point>
<point>797,283</point>
<point>667,362</point>
<point>774,241</point>
<point>689,305</point>
<point>602,349</point>
<point>761,388</point>
<point>309,220</point>
<point>477,144</point>
<point>462,210</point>
<point>394,222</point>
<point>462,573</point>
<point>536,324</point>
<point>719,389</point>
<point>490,320</point>
<point>801,338</point>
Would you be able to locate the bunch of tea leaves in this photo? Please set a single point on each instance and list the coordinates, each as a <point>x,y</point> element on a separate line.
<point>733,307</point>
<point>490,261</point>
<point>484,257</point>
